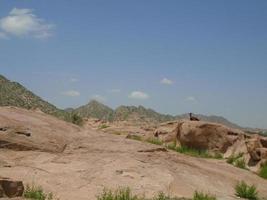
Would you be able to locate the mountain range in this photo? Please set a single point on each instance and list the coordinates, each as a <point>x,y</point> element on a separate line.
<point>95,109</point>
<point>14,94</point>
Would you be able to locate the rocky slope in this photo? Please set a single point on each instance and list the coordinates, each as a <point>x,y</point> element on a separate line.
<point>92,160</point>
<point>14,94</point>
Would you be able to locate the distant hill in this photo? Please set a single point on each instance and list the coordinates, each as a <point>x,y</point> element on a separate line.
<point>14,94</point>
<point>212,118</point>
<point>95,109</point>
<point>138,114</point>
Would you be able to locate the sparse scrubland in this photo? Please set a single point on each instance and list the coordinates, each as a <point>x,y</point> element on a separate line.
<point>126,194</point>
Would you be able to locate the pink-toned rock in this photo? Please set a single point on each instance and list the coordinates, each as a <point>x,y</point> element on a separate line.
<point>207,136</point>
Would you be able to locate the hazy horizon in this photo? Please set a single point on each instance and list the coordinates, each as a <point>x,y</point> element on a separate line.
<point>172,56</point>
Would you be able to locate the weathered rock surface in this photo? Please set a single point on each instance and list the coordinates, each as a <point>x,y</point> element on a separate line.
<point>93,160</point>
<point>207,136</point>
<point>215,138</point>
<point>24,130</point>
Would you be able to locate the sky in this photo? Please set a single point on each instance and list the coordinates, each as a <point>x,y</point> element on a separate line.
<point>174,56</point>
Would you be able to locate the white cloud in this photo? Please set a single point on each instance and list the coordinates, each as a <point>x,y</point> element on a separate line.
<point>22,22</point>
<point>138,95</point>
<point>99,98</point>
<point>191,98</point>
<point>166,81</point>
<point>73,80</point>
<point>71,93</point>
<point>3,35</point>
<point>114,91</point>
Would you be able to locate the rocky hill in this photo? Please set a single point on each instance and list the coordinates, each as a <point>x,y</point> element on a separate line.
<point>95,109</point>
<point>138,114</point>
<point>14,94</point>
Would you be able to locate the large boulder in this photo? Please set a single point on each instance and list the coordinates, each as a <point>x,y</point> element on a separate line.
<point>166,132</point>
<point>207,136</point>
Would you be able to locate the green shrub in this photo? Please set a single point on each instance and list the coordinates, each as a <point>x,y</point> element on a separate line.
<point>245,191</point>
<point>103,126</point>
<point>193,152</point>
<point>263,171</point>
<point>240,163</point>
<point>231,159</point>
<point>154,141</point>
<point>76,119</point>
<point>120,194</point>
<point>134,137</point>
<point>218,156</point>
<point>36,193</point>
<point>203,196</point>
<point>237,161</point>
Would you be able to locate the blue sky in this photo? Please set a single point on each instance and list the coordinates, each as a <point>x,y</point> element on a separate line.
<point>206,57</point>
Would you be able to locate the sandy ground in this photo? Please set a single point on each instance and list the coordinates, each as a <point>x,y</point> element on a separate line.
<point>93,160</point>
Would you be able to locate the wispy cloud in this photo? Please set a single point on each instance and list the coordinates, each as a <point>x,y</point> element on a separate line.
<point>71,93</point>
<point>22,22</point>
<point>166,81</point>
<point>73,80</point>
<point>3,35</point>
<point>191,99</point>
<point>138,95</point>
<point>99,98</point>
<point>114,91</point>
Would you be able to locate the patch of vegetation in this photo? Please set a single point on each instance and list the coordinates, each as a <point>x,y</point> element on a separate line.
<point>171,146</point>
<point>203,196</point>
<point>126,194</point>
<point>263,171</point>
<point>237,161</point>
<point>233,158</point>
<point>134,137</point>
<point>120,194</point>
<point>240,163</point>
<point>246,191</point>
<point>154,141</point>
<point>76,119</point>
<point>103,126</point>
<point>193,152</point>
<point>218,156</point>
<point>36,193</point>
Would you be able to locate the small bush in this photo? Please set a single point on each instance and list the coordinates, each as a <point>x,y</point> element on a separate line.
<point>193,152</point>
<point>237,161</point>
<point>203,196</point>
<point>240,163</point>
<point>231,159</point>
<point>263,171</point>
<point>134,137</point>
<point>245,191</point>
<point>36,193</point>
<point>218,156</point>
<point>103,126</point>
<point>76,119</point>
<point>120,194</point>
<point>154,141</point>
